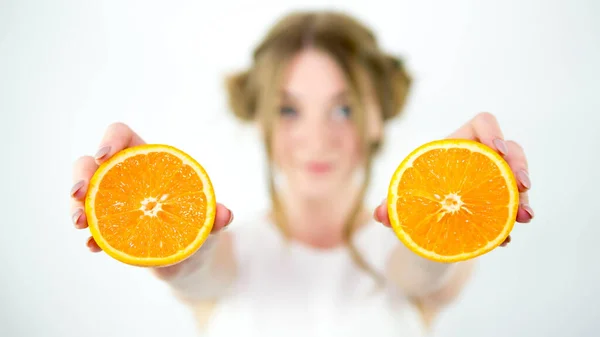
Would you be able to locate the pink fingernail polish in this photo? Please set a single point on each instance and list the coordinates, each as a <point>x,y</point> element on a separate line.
<point>528,209</point>
<point>501,146</point>
<point>76,216</point>
<point>77,187</point>
<point>524,179</point>
<point>102,152</point>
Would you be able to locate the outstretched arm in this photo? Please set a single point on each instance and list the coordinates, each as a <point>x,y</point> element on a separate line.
<point>204,275</point>
<point>208,273</point>
<point>435,284</point>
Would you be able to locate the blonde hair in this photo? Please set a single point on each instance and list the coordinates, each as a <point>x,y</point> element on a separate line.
<point>254,93</point>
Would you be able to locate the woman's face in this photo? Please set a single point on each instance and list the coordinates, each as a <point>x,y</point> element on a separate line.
<point>315,142</point>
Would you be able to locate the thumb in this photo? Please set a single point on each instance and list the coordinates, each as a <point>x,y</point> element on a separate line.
<point>381,214</point>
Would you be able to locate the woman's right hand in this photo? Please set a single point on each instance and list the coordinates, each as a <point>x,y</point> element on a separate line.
<point>117,137</point>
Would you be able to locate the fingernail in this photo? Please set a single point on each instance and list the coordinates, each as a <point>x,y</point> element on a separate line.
<point>230,218</point>
<point>528,209</point>
<point>77,187</point>
<point>77,215</point>
<point>501,146</point>
<point>524,179</point>
<point>102,152</point>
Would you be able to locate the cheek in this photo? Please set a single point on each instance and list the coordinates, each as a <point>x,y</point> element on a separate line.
<point>350,146</point>
<point>282,147</point>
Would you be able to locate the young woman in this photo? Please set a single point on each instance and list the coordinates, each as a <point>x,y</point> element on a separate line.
<point>320,89</point>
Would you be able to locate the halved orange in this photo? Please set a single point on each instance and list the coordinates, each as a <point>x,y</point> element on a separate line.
<point>452,200</point>
<point>150,205</point>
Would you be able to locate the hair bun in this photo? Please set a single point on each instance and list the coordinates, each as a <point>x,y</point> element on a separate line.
<point>400,82</point>
<point>240,101</point>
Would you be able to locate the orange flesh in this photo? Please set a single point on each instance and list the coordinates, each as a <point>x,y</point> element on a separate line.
<point>150,205</point>
<point>458,203</point>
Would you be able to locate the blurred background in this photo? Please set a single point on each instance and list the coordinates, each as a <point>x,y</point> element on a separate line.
<point>70,68</point>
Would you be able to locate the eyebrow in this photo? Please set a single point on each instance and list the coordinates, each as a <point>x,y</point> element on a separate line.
<point>337,97</point>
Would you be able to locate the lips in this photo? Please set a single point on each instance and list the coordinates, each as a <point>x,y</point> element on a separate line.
<point>319,167</point>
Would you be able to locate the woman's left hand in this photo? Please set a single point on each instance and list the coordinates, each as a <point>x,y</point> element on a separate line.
<point>485,129</point>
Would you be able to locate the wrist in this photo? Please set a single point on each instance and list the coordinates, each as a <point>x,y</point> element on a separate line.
<point>190,264</point>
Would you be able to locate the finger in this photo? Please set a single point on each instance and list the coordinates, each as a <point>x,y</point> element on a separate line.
<point>78,216</point>
<point>118,136</point>
<point>381,214</point>
<point>525,212</point>
<point>483,128</point>
<point>518,163</point>
<point>506,241</point>
<point>92,245</point>
<point>222,219</point>
<point>83,170</point>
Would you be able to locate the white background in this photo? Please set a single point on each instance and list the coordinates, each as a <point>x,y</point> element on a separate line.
<point>68,69</point>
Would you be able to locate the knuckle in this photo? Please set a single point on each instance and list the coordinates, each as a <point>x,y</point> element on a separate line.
<point>486,117</point>
<point>81,162</point>
<point>74,205</point>
<point>514,145</point>
<point>119,127</point>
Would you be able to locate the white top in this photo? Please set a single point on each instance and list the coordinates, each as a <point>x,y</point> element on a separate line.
<point>289,289</point>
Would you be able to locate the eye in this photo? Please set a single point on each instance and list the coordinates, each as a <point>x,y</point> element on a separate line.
<point>342,112</point>
<point>287,111</point>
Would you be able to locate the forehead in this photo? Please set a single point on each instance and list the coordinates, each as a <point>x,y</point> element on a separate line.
<point>312,74</point>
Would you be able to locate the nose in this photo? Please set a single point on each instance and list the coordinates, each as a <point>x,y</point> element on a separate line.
<point>318,135</point>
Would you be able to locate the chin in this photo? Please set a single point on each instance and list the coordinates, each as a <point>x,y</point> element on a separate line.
<point>318,187</point>
<point>316,193</point>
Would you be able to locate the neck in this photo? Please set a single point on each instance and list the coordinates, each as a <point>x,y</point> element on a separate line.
<point>319,222</point>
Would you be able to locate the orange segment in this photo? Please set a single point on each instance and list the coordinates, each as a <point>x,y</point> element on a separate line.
<point>150,205</point>
<point>452,200</point>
